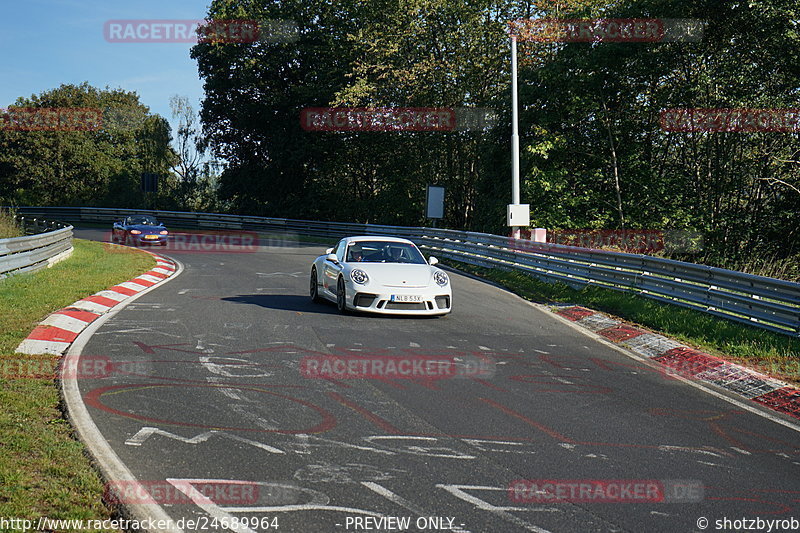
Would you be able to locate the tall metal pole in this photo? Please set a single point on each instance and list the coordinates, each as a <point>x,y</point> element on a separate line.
<point>515,230</point>
<point>514,125</point>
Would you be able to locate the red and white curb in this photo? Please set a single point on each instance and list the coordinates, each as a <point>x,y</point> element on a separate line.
<point>689,363</point>
<point>56,332</point>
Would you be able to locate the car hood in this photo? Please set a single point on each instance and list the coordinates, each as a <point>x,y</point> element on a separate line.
<point>397,274</point>
<point>144,228</point>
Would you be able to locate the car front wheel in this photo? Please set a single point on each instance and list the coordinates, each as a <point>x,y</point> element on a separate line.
<point>341,296</point>
<point>314,287</point>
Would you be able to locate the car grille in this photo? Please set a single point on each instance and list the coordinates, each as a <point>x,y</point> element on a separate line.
<point>415,306</point>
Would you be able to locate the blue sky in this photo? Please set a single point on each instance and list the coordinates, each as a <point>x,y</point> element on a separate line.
<point>50,42</point>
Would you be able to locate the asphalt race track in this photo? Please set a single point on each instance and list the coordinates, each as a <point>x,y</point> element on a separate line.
<point>209,407</point>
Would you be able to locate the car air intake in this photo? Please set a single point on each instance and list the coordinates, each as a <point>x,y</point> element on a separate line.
<point>443,302</point>
<point>365,300</point>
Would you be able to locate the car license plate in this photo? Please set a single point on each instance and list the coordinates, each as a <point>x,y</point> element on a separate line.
<point>406,298</point>
<point>151,237</point>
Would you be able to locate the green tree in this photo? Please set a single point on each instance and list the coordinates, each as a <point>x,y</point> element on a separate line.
<point>98,166</point>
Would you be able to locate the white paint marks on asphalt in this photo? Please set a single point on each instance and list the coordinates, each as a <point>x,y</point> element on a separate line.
<point>542,351</point>
<point>207,505</point>
<point>744,452</point>
<point>416,447</point>
<point>497,446</point>
<point>279,274</point>
<point>146,432</point>
<point>484,348</point>
<point>502,512</point>
<point>667,448</point>
<point>413,345</point>
<point>404,503</point>
<point>348,473</point>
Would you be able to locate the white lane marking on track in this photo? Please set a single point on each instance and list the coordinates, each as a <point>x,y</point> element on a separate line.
<point>413,345</point>
<point>402,502</point>
<point>458,492</point>
<point>214,510</point>
<point>319,500</point>
<point>146,432</point>
<point>275,274</point>
<point>668,448</point>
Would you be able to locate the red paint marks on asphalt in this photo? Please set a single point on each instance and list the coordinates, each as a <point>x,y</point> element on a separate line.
<point>621,333</point>
<point>78,314</point>
<point>94,398</point>
<point>149,349</point>
<point>575,313</point>
<point>369,415</point>
<point>124,290</point>
<point>785,400</point>
<point>688,362</point>
<point>507,410</point>
<point>101,300</point>
<point>51,334</point>
<point>487,384</point>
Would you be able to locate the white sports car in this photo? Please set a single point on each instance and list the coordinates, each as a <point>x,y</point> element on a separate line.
<point>380,275</point>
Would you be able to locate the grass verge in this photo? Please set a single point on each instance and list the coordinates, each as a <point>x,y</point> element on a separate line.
<point>44,470</point>
<point>8,225</point>
<point>770,353</point>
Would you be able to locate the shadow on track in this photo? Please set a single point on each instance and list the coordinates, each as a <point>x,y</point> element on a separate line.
<point>285,302</point>
<point>302,304</point>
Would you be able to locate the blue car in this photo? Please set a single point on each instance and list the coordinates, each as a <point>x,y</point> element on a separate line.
<point>138,230</point>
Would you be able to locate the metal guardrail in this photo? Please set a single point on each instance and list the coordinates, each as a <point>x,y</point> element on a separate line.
<point>760,301</point>
<point>45,243</point>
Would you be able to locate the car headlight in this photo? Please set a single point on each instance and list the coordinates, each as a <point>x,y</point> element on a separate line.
<point>135,232</point>
<point>359,276</point>
<point>163,232</point>
<point>440,278</point>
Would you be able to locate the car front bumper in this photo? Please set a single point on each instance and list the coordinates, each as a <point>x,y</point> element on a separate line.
<point>434,301</point>
<point>139,240</point>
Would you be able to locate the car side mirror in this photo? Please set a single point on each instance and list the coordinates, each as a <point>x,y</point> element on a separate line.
<point>332,258</point>
<point>433,261</point>
<point>329,250</point>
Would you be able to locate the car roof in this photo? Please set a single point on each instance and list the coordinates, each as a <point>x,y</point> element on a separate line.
<point>361,238</point>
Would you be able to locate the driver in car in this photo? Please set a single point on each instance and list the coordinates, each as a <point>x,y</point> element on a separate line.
<point>355,255</point>
<point>396,254</point>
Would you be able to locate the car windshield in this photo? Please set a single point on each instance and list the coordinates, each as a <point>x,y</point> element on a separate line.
<point>144,220</point>
<point>384,252</point>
